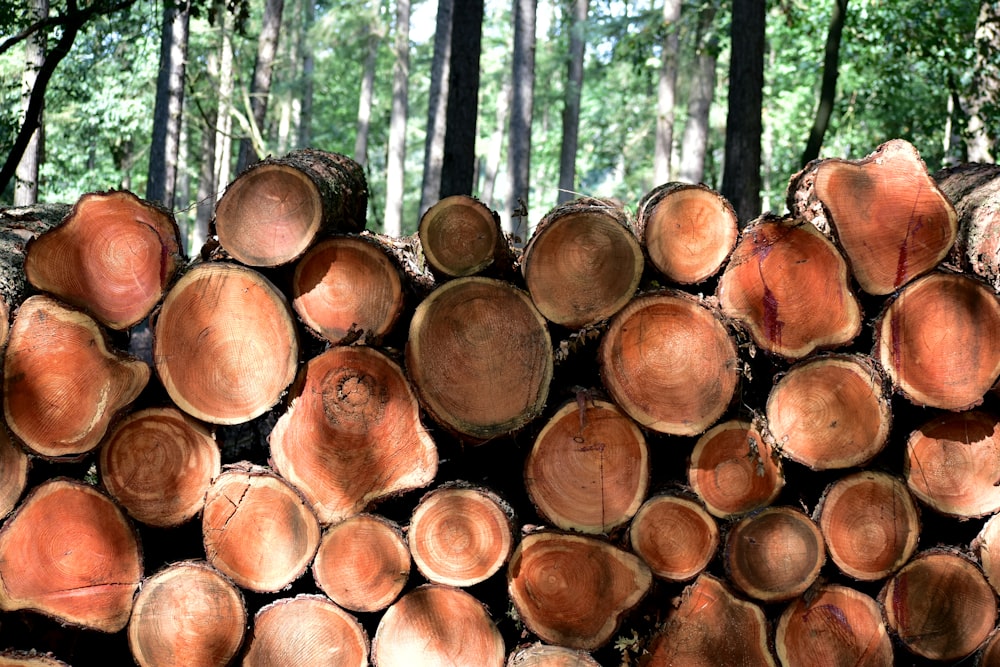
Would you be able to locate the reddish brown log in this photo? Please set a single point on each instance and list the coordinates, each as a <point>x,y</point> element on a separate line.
<point>29,659</point>
<point>789,287</point>
<point>460,236</point>
<point>352,434</point>
<point>69,552</point>
<point>688,231</point>
<point>306,631</point>
<point>974,190</point>
<point>589,467</point>
<point>675,537</point>
<point>989,656</point>
<point>187,614</point>
<point>63,384</point>
<point>669,362</point>
<point>224,343</point>
<point>14,466</point>
<point>542,655</point>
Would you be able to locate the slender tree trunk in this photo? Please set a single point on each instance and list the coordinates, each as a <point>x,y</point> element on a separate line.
<point>694,145</point>
<point>365,99</point>
<point>463,99</point>
<point>437,106</point>
<point>522,103</point>
<point>495,149</point>
<point>828,93</point>
<point>206,188</point>
<point>289,90</point>
<point>267,47</point>
<point>666,92</point>
<point>26,177</point>
<point>985,85</point>
<point>224,118</point>
<point>308,65</point>
<point>395,167</point>
<point>571,105</point>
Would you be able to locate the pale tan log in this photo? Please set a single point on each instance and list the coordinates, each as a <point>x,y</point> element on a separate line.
<point>543,655</point>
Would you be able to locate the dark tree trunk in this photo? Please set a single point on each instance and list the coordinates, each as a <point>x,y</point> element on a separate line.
<point>571,108</point>
<point>437,105</point>
<point>831,68</point>
<point>519,149</point>
<point>463,99</point>
<point>163,150</point>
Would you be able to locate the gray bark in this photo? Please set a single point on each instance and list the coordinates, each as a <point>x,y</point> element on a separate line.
<point>694,144</point>
<point>521,109</point>
<point>571,104</point>
<point>26,176</point>
<point>458,167</point>
<point>365,100</point>
<point>981,138</point>
<point>260,90</point>
<point>395,166</point>
<point>437,107</point>
<point>666,92</point>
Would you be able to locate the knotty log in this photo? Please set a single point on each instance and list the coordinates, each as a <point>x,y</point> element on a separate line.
<point>63,383</point>
<point>675,537</point>
<point>542,655</point>
<point>974,190</point>
<point>461,236</point>
<point>306,631</point>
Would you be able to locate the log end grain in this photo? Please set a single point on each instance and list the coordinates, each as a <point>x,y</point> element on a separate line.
<point>306,631</point>
<point>675,537</point>
<point>460,236</point>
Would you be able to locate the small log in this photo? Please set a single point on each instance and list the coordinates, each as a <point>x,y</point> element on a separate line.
<point>257,529</point>
<point>989,655</point>
<point>974,190</point>
<point>224,343</point>
<point>187,614</point>
<point>543,655</point>
<point>775,554</point>
<point>158,464</point>
<point>939,606</point>
<point>582,263</point>
<point>734,470</point>
<point>272,212</point>
<point>939,341</point>
<point>460,536</point>
<point>833,625</point>
<point>890,218</point>
<point>113,256</point>
<point>480,357</point>
<point>437,626</point>
<point>669,362</point>
<point>363,563</point>
<point>352,434</point>
<point>870,524</point>
<point>306,631</point>
<point>788,286</point>
<point>574,590</point>
<point>986,546</point>
<point>70,553</point>
<point>675,537</point>
<point>589,467</point>
<point>830,412</point>
<point>461,236</point>
<point>688,231</point>
<point>14,466</point>
<point>63,384</point>
<point>29,659</point>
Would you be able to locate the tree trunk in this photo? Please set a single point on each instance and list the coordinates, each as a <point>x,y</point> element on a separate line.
<point>395,164</point>
<point>985,93</point>
<point>224,115</point>
<point>665,92</point>
<point>252,150</point>
<point>521,113</point>
<point>571,102</point>
<point>205,197</point>
<point>306,630</point>
<point>308,67</point>
<point>828,91</point>
<point>437,107</point>
<point>694,144</point>
<point>459,158</point>
<point>365,98</point>
<point>26,177</point>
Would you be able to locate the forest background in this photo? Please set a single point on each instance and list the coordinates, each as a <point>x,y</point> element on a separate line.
<point>523,104</point>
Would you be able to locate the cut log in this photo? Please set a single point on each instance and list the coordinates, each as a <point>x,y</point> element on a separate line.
<point>775,554</point>
<point>989,656</point>
<point>348,288</point>
<point>870,524</point>
<point>788,286</point>
<point>363,563</point>
<point>711,627</point>
<point>187,614</point>
<point>574,590</point>
<point>352,434</point>
<point>939,341</point>
<point>830,412</point>
<point>688,231</point>
<point>734,470</point>
<point>70,553</point>
<point>952,463</point>
<point>224,343</point>
<point>461,236</point>
<point>306,631</point>
<point>833,626</point>
<point>29,659</point>
<point>480,357</point>
<point>675,537</point>
<point>588,470</point>
<point>939,606</point>
<point>257,529</point>
<point>986,545</point>
<point>669,362</point>
<point>582,263</point>
<point>460,536</point>
<point>113,256</point>
<point>272,212</point>
<point>437,626</point>
<point>158,464</point>
<point>974,190</point>
<point>14,465</point>
<point>63,384</point>
<point>890,218</point>
<point>542,655</point>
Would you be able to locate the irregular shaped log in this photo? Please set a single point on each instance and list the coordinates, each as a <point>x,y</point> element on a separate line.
<point>14,465</point>
<point>688,231</point>
<point>460,536</point>
<point>306,631</point>
<point>542,655</point>
<point>257,529</point>
<point>461,236</point>
<point>272,212</point>
<point>939,341</point>
<point>63,384</point>
<point>974,190</point>
<point>834,625</point>
<point>480,357</point>
<point>187,614</point>
<point>870,524</point>
<point>224,343</point>
<point>788,286</point>
<point>29,659</point>
<point>669,362</point>
<point>363,563</point>
<point>589,467</point>
<point>986,546</point>
<point>675,537</point>
<point>890,218</point>
<point>352,434</point>
<point>158,464</point>
<point>70,553</point>
<point>582,263</point>
<point>437,626</point>
<point>574,590</point>
<point>830,412</point>
<point>113,256</point>
<point>733,469</point>
<point>939,606</point>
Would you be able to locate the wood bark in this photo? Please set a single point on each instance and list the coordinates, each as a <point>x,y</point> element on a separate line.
<point>461,236</point>
<point>29,659</point>
<point>306,630</point>
<point>251,147</point>
<point>462,113</point>
<point>395,182</point>
<point>675,536</point>
<point>26,176</point>
<point>518,201</point>
<point>572,92</point>
<point>974,190</point>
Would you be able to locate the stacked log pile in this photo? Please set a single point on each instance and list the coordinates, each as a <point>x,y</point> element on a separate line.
<point>651,439</point>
